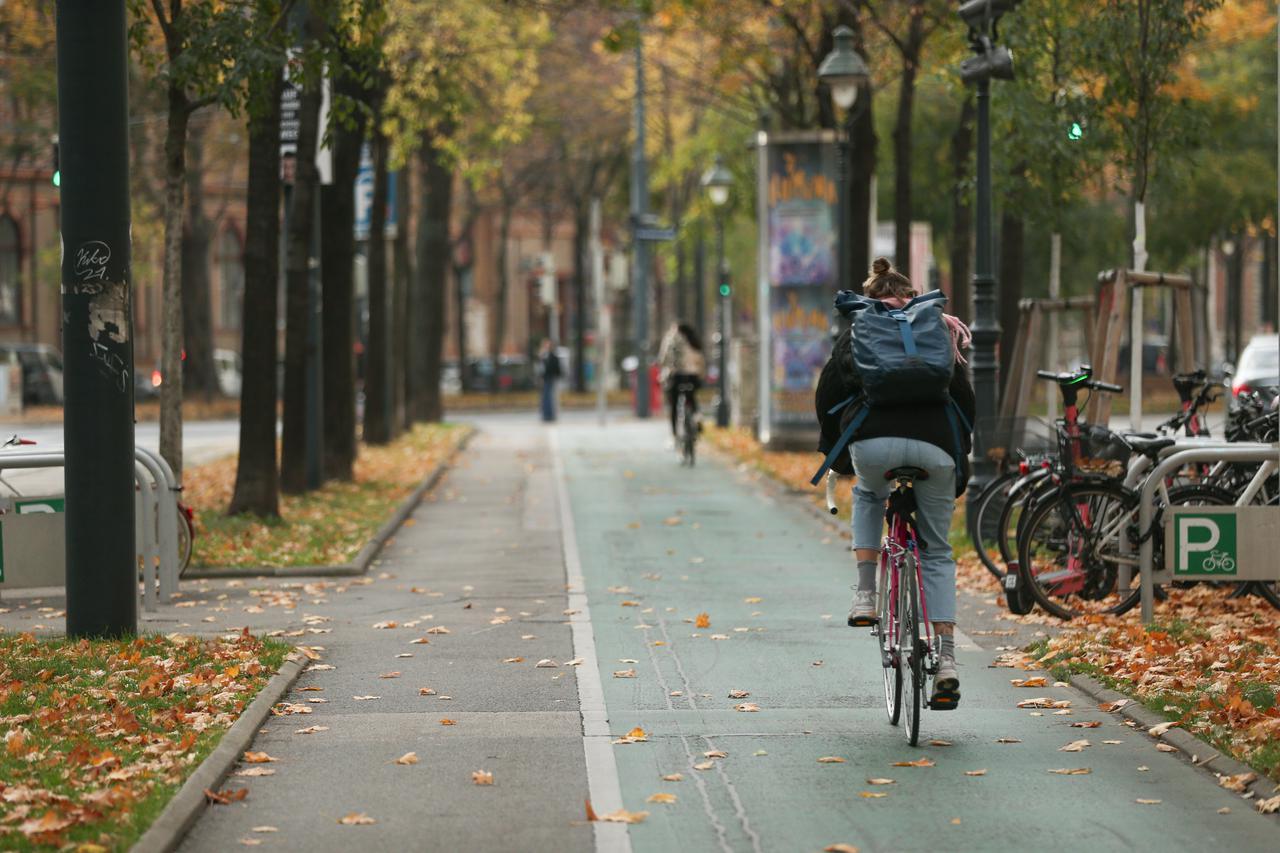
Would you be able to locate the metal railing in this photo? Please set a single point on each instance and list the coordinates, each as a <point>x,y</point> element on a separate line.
<point>155,519</point>
<point>1237,452</point>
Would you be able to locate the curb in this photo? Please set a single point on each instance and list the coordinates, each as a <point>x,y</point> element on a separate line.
<point>168,830</point>
<point>367,554</point>
<point>1190,748</point>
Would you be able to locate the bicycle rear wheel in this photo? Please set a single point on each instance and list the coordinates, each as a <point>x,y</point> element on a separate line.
<point>909,647</point>
<point>984,531</point>
<point>886,636</point>
<point>1068,549</point>
<point>690,434</point>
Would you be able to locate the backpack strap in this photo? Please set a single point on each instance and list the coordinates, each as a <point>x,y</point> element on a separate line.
<point>904,328</point>
<point>843,441</point>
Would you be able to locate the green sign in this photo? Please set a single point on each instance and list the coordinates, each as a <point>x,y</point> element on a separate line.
<point>40,505</point>
<point>1204,544</point>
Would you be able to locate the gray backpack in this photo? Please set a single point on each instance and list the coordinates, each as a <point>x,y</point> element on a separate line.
<point>902,355</point>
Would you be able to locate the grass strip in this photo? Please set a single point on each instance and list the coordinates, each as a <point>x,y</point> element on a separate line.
<point>327,526</point>
<point>100,734</point>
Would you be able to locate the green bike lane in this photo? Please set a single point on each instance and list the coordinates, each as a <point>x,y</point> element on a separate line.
<point>659,545</point>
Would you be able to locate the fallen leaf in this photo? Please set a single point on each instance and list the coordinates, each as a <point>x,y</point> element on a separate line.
<point>738,694</point>
<point>1044,702</point>
<point>673,777</point>
<point>1086,724</point>
<point>513,660</point>
<point>408,758</point>
<point>1114,706</point>
<point>1164,747</point>
<point>546,663</point>
<point>1071,771</point>
<point>623,816</point>
<point>1238,782</point>
<point>448,722</point>
<point>1157,730</point>
<point>878,781</point>
<point>747,707</point>
<point>482,777</point>
<point>247,842</point>
<point>258,758</point>
<point>831,759</point>
<point>1269,806</point>
<point>1037,681</point>
<point>982,772</point>
<point>255,771</point>
<point>704,765</point>
<point>1075,746</point>
<point>356,819</point>
<point>1143,802</point>
<point>624,673</point>
<point>426,691</point>
<point>386,625</point>
<point>940,743</point>
<point>310,730</point>
<point>1112,742</point>
<point>673,521</point>
<point>919,762</point>
<point>365,698</point>
<point>755,599</point>
<point>839,848</point>
<point>1007,740</point>
<point>264,829</point>
<point>1225,810</point>
<point>703,620</point>
<point>438,629</point>
<point>719,636</point>
<point>715,753</point>
<point>661,798</point>
<point>872,795</point>
<point>421,641</point>
<point>390,675</point>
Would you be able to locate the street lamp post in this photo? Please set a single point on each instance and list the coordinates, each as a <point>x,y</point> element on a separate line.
<point>989,61</point>
<point>844,71</point>
<point>717,181</point>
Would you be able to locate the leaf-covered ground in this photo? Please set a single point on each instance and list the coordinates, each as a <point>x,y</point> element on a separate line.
<point>1209,663</point>
<point>328,526</point>
<point>98,735</point>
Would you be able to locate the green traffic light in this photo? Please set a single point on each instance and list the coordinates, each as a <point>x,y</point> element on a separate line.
<point>1076,131</point>
<point>724,290</point>
<point>57,179</point>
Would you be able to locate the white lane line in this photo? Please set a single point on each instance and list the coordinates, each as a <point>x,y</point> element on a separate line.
<point>602,769</point>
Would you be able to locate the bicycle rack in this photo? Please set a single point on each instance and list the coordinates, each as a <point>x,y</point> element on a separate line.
<point>156,518</point>
<point>1237,452</point>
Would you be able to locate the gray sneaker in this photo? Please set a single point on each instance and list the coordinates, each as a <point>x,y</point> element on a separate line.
<point>863,612</point>
<point>946,685</point>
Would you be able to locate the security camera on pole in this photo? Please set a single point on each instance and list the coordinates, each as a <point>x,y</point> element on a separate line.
<point>989,61</point>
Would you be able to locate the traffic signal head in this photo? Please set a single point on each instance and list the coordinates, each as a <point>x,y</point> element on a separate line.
<point>1075,131</point>
<point>994,62</point>
<point>977,14</point>
<point>724,290</point>
<point>57,164</point>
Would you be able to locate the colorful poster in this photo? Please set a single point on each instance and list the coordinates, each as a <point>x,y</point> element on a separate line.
<point>801,209</point>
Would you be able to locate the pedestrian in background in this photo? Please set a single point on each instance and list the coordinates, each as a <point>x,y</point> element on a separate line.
<point>550,368</point>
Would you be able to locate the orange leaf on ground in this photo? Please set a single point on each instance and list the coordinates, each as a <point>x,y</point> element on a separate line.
<point>356,819</point>
<point>703,620</point>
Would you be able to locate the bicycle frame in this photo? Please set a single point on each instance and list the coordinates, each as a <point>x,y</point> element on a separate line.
<point>903,538</point>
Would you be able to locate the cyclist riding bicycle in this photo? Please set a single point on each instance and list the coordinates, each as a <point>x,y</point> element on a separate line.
<point>681,363</point>
<point>918,435</point>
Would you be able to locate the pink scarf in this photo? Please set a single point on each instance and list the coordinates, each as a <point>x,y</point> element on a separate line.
<point>961,338</point>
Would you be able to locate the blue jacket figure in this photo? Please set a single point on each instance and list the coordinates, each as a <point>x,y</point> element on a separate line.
<point>549,366</point>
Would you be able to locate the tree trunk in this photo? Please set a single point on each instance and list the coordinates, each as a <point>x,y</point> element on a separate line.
<point>377,372</point>
<point>337,257</point>
<point>257,478</point>
<point>175,155</point>
<point>581,262</point>
<point>199,376</point>
<point>1011,252</point>
<point>401,309</point>
<point>962,212</point>
<point>460,321</point>
<point>902,143</point>
<point>433,263</point>
<point>293,458</point>
<point>504,279</point>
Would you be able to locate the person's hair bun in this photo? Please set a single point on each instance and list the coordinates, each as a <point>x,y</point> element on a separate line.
<point>880,266</point>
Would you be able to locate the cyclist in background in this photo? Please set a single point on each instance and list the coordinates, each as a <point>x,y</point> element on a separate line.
<point>920,435</point>
<point>681,361</point>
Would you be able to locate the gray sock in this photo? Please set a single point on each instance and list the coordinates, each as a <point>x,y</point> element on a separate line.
<point>867,575</point>
<point>947,645</point>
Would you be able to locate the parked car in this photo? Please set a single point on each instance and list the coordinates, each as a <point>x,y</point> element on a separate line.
<point>1258,368</point>
<point>41,372</point>
<point>230,377</point>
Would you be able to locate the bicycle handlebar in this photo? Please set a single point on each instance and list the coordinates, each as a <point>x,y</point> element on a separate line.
<point>1084,379</point>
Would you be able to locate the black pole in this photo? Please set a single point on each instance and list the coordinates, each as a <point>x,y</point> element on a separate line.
<point>700,285</point>
<point>315,352</point>
<point>986,327</point>
<point>722,289</point>
<point>844,155</point>
<point>97,324</point>
<point>640,207</point>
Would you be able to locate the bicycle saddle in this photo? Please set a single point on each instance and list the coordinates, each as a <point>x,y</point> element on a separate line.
<point>1148,446</point>
<point>906,472</point>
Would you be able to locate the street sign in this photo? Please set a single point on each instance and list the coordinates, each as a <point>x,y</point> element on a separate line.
<point>364,193</point>
<point>656,235</point>
<point>1222,543</point>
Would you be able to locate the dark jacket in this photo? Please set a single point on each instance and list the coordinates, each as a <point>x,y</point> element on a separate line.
<point>924,422</point>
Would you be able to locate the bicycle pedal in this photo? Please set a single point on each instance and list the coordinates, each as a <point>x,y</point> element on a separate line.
<point>947,701</point>
<point>863,621</point>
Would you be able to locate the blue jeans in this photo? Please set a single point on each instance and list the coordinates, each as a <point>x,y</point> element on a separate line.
<point>548,400</point>
<point>935,503</point>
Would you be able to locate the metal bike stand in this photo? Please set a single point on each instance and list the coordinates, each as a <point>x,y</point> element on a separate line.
<point>1238,452</point>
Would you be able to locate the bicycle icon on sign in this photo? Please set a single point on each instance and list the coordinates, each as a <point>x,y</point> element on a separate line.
<point>1218,561</point>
